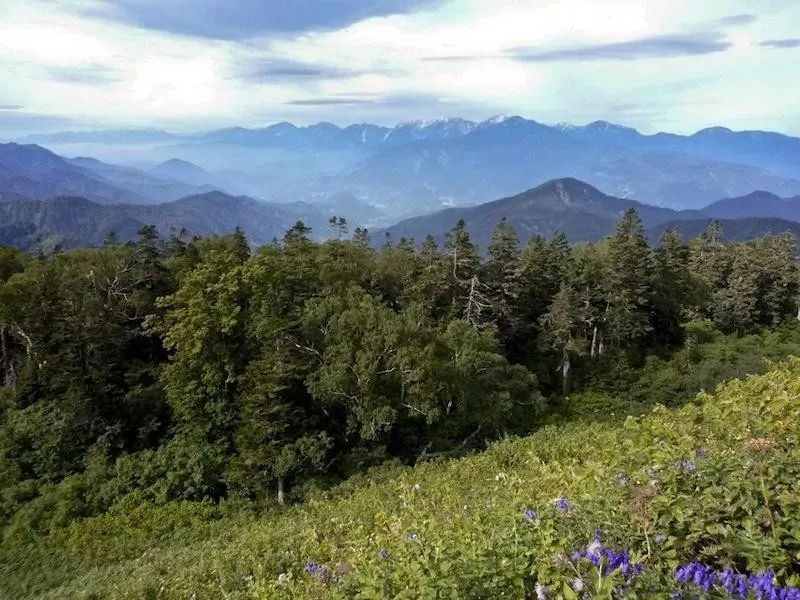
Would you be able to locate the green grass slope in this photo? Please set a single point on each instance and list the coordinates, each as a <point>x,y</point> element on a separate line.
<point>715,481</point>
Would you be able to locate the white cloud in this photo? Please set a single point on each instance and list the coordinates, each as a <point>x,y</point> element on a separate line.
<point>152,78</point>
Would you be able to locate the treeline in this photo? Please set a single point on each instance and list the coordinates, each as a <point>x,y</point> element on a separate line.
<point>176,369</point>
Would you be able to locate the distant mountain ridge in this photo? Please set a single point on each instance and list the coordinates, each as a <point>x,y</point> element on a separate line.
<point>420,167</point>
<point>31,171</point>
<point>732,230</point>
<point>580,211</point>
<point>754,205</point>
<point>71,221</point>
<point>566,205</point>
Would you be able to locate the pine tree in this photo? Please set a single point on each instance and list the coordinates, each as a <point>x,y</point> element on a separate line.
<point>501,274</point>
<point>673,288</point>
<point>628,288</point>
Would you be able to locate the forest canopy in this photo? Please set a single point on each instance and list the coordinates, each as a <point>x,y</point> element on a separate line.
<point>199,369</point>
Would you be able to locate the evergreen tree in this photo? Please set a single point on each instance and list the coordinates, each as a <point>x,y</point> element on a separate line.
<point>628,287</point>
<point>501,275</point>
<point>673,288</point>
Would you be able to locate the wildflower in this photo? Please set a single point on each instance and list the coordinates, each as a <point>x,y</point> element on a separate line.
<point>412,536</point>
<point>696,574</point>
<point>384,554</point>
<point>283,578</point>
<point>701,452</point>
<point>531,516</point>
<point>596,547</point>
<point>733,583</point>
<point>562,504</point>
<point>623,480</point>
<point>660,539</point>
<point>500,477</point>
<point>416,487</point>
<point>541,592</point>
<point>313,567</point>
<point>578,585</point>
<point>685,466</point>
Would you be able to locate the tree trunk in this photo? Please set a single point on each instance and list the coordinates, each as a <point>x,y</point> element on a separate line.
<point>6,362</point>
<point>565,367</point>
<point>594,341</point>
<point>281,497</point>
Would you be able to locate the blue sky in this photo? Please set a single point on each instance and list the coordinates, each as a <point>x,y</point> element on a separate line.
<point>674,65</point>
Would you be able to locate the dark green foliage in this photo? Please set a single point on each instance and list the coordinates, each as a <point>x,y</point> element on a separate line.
<point>161,370</point>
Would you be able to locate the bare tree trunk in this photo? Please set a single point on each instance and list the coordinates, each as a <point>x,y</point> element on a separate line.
<point>594,341</point>
<point>281,497</point>
<point>565,367</point>
<point>6,361</point>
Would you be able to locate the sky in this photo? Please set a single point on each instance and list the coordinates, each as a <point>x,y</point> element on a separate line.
<point>194,65</point>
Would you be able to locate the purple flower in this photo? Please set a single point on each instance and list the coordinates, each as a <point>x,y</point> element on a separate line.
<point>383,554</point>
<point>541,592</point>
<point>562,504</point>
<point>701,452</point>
<point>660,539</point>
<point>412,536</point>
<point>733,583</point>
<point>531,516</point>
<point>313,567</point>
<point>318,571</point>
<point>760,586</point>
<point>685,466</point>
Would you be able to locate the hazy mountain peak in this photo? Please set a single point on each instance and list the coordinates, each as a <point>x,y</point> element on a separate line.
<point>178,162</point>
<point>282,127</point>
<point>495,120</point>
<point>606,126</point>
<point>174,165</point>
<point>326,125</point>
<point>713,130</point>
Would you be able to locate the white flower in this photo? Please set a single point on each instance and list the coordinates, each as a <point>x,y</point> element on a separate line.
<point>541,592</point>
<point>594,548</point>
<point>578,585</point>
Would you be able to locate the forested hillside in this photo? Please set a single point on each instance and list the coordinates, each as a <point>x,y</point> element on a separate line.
<point>194,370</point>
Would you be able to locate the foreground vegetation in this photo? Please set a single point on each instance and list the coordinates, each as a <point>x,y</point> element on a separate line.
<point>163,402</point>
<point>714,483</point>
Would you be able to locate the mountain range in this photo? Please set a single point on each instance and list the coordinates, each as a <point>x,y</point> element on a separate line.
<point>424,166</point>
<point>579,210</point>
<point>73,221</point>
<point>405,181</point>
<point>584,213</point>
